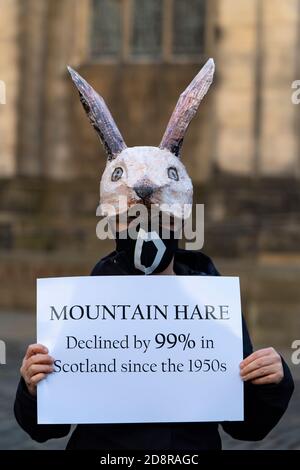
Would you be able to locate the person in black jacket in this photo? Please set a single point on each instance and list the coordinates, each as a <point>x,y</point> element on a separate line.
<point>266,392</point>
<point>154,176</point>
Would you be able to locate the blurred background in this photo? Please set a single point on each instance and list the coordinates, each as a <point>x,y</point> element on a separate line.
<point>242,152</point>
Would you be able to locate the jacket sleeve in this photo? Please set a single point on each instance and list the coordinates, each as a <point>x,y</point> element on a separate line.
<point>25,409</point>
<point>264,405</point>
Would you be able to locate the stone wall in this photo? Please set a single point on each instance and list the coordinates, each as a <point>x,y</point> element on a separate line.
<point>251,230</point>
<point>256,122</point>
<point>9,74</point>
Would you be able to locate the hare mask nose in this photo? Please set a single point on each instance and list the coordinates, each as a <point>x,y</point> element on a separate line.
<point>144,190</point>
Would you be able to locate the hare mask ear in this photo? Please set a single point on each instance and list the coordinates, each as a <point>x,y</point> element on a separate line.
<point>186,109</point>
<point>99,116</point>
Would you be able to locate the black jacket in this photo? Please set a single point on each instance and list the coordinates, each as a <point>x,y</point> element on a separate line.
<point>264,404</point>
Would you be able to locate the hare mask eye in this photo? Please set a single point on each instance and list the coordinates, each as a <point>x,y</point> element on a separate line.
<point>172,174</point>
<point>117,173</point>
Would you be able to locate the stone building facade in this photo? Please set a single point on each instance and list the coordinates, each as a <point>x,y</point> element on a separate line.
<point>242,149</point>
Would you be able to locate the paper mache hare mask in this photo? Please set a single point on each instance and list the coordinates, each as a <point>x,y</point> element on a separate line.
<point>145,175</point>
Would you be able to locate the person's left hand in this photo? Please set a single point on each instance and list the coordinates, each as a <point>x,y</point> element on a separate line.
<point>262,367</point>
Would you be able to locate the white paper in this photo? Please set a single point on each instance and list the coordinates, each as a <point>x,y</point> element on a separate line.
<point>161,395</point>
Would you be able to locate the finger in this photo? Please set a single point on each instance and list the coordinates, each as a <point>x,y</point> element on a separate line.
<point>36,359</point>
<point>39,359</point>
<point>37,378</point>
<point>34,349</point>
<point>268,379</point>
<point>38,368</point>
<point>261,372</point>
<point>257,363</point>
<point>256,355</point>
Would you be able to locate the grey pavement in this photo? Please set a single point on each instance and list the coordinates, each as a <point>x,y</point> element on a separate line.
<point>18,330</point>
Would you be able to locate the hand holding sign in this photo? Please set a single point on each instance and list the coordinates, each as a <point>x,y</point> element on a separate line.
<point>35,366</point>
<point>262,367</point>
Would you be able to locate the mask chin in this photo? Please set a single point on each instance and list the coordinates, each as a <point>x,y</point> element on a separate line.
<point>148,253</point>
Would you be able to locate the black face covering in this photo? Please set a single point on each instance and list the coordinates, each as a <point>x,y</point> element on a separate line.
<point>148,253</point>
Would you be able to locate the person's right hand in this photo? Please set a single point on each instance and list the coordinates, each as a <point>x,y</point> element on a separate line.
<point>35,366</point>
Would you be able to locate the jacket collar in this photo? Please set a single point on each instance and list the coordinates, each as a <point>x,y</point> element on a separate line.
<point>186,263</point>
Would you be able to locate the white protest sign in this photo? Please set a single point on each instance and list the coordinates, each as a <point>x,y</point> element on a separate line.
<point>132,349</point>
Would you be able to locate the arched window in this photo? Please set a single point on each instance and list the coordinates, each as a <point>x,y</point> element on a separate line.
<point>150,30</point>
